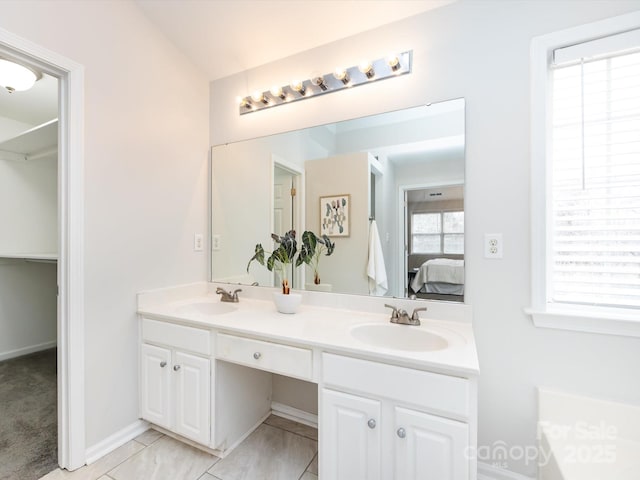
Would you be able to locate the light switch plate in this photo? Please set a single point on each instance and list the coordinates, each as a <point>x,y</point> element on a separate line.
<point>198,242</point>
<point>216,242</point>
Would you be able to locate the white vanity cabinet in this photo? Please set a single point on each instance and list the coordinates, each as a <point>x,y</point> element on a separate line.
<point>350,436</point>
<point>383,421</point>
<point>176,379</point>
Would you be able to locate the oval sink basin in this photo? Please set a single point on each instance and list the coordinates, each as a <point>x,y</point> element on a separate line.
<point>399,337</point>
<point>205,308</point>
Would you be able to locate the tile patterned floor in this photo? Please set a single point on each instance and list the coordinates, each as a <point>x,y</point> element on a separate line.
<point>279,449</point>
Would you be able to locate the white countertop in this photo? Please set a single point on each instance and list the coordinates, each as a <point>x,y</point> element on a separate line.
<point>327,329</point>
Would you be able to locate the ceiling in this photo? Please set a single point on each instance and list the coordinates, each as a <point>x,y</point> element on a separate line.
<point>223,37</point>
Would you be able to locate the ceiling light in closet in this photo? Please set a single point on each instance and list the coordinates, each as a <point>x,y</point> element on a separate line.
<point>15,77</point>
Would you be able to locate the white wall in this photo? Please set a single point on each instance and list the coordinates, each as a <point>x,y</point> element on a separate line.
<point>146,118</point>
<point>479,51</point>
<point>28,303</point>
<point>28,224</point>
<point>346,268</point>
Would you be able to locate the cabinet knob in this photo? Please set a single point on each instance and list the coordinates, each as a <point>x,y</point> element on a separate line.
<point>402,432</point>
<point>163,364</point>
<point>371,423</point>
<point>176,368</point>
<point>257,355</point>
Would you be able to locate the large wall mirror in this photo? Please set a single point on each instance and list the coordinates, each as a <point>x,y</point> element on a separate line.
<point>387,189</point>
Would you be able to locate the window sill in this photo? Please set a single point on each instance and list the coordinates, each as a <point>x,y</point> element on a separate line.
<point>624,323</point>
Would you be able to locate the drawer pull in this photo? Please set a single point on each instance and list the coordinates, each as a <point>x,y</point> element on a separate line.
<point>257,355</point>
<point>163,364</point>
<point>176,368</point>
<point>371,423</point>
<point>401,432</point>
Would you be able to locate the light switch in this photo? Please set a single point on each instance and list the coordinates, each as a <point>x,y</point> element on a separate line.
<point>216,242</point>
<point>198,242</point>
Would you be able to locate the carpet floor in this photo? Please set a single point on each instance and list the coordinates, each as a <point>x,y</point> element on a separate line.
<point>28,416</point>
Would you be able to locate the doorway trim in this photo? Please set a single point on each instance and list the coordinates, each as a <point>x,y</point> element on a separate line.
<point>299,217</point>
<point>70,328</point>
<point>403,234</point>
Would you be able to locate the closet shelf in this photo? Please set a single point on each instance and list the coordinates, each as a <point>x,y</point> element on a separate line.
<point>32,257</point>
<point>34,144</point>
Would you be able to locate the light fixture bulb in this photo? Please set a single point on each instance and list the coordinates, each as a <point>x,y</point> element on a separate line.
<point>244,102</point>
<point>366,68</point>
<point>298,86</point>
<point>277,92</point>
<point>318,80</point>
<point>15,77</point>
<point>394,63</point>
<point>259,97</point>
<point>342,75</point>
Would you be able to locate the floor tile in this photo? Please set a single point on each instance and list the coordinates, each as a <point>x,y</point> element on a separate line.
<point>149,437</point>
<point>99,467</point>
<point>313,468</point>
<point>165,459</point>
<point>293,427</point>
<point>269,453</point>
<point>309,476</point>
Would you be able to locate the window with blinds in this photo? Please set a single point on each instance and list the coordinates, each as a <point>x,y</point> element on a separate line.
<point>594,245</point>
<point>437,232</point>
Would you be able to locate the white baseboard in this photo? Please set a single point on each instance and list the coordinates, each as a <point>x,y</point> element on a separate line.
<point>487,471</point>
<point>116,440</point>
<point>27,350</point>
<point>295,414</point>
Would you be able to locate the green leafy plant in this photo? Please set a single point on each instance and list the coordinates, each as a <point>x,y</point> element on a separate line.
<point>280,259</point>
<point>313,247</point>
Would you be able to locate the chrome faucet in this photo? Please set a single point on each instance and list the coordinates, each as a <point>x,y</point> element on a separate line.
<point>228,296</point>
<point>401,317</point>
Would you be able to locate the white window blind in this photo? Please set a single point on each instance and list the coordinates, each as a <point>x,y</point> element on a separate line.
<point>595,176</point>
<point>437,232</point>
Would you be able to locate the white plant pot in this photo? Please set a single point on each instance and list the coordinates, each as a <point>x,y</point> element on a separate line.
<point>287,303</point>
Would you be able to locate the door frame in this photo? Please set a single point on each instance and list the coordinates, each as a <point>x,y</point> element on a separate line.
<point>299,217</point>
<point>403,234</point>
<point>70,315</point>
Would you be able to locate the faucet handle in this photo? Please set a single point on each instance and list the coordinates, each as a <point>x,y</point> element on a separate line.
<point>415,316</point>
<point>394,313</point>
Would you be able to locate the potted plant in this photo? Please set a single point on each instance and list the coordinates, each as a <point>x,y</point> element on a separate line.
<point>313,247</point>
<point>280,260</point>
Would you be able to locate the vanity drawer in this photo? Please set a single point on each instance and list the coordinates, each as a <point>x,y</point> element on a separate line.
<point>273,357</point>
<point>441,394</point>
<point>185,338</point>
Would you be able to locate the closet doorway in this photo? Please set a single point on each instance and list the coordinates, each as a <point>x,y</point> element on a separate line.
<point>52,175</point>
<point>28,277</point>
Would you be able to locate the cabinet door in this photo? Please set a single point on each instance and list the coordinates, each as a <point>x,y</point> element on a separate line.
<point>155,385</point>
<point>191,376</point>
<point>429,447</point>
<point>350,435</point>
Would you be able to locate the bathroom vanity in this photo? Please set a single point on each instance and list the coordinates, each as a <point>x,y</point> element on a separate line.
<point>394,401</point>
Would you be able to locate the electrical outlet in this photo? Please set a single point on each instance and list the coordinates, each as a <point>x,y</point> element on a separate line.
<point>198,242</point>
<point>492,245</point>
<point>216,242</point>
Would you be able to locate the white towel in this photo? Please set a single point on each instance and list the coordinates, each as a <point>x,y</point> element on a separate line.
<point>375,267</point>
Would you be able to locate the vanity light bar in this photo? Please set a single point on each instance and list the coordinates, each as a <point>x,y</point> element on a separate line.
<point>342,78</point>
